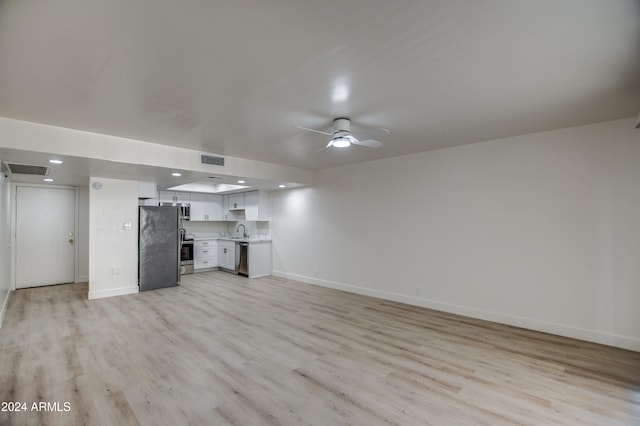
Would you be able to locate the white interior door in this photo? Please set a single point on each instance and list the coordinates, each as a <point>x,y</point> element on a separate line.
<point>45,236</point>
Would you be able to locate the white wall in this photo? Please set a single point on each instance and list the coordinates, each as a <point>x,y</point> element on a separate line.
<point>539,231</point>
<point>83,234</point>
<point>113,251</point>
<point>5,247</point>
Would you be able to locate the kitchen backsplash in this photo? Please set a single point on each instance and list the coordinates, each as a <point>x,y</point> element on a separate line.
<point>227,229</point>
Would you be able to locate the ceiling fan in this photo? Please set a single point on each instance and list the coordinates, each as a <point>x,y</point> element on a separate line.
<point>341,137</point>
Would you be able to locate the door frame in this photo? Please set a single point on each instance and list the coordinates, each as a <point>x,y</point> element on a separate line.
<point>14,213</point>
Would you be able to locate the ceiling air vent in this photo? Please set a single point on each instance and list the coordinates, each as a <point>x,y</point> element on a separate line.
<point>209,159</point>
<point>27,169</point>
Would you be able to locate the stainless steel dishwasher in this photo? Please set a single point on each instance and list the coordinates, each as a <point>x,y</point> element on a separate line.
<point>243,258</point>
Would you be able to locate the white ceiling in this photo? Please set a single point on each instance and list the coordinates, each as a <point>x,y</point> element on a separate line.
<point>235,77</point>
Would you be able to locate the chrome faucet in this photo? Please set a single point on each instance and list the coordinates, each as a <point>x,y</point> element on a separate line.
<point>244,230</point>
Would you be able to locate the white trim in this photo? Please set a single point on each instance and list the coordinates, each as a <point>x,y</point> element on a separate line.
<point>82,279</point>
<point>595,336</point>
<point>5,305</point>
<point>113,292</point>
<point>260,276</point>
<point>76,228</point>
<point>14,213</point>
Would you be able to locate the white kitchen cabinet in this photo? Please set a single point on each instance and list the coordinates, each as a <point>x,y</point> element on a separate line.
<point>166,196</point>
<point>227,254</point>
<point>236,201</point>
<point>147,201</point>
<point>205,254</point>
<point>198,207</point>
<point>225,206</point>
<point>233,206</point>
<point>214,207</point>
<point>182,197</point>
<point>260,263</point>
<point>174,197</point>
<point>256,205</point>
<point>147,190</point>
<point>252,205</point>
<point>206,207</point>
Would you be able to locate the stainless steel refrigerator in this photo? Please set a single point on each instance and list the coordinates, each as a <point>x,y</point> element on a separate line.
<point>158,247</point>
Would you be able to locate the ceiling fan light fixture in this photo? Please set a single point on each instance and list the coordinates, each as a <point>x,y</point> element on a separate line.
<point>341,142</point>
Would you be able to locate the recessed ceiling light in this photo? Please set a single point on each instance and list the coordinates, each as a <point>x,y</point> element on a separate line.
<point>282,186</point>
<point>242,181</point>
<point>340,93</point>
<point>176,174</point>
<point>55,161</point>
<point>47,180</point>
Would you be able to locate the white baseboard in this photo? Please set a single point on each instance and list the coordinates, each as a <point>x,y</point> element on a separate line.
<point>624,342</point>
<point>112,292</point>
<point>5,305</point>
<point>83,279</point>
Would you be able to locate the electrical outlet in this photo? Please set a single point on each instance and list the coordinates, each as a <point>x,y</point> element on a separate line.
<point>418,291</point>
<point>315,273</point>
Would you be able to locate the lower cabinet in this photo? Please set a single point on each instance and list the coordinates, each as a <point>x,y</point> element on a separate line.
<point>211,254</point>
<point>205,254</point>
<point>260,259</point>
<point>227,254</point>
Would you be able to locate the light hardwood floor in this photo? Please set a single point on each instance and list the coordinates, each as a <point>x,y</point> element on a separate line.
<point>222,349</point>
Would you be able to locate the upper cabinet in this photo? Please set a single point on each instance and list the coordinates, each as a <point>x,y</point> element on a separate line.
<point>198,207</point>
<point>214,207</point>
<point>147,194</point>
<point>174,197</point>
<point>256,206</point>
<point>252,205</point>
<point>206,207</point>
<point>233,206</point>
<point>236,201</point>
<point>147,190</point>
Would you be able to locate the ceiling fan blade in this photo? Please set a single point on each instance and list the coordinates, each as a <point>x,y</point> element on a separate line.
<point>372,134</point>
<point>329,145</point>
<point>369,143</point>
<point>313,130</point>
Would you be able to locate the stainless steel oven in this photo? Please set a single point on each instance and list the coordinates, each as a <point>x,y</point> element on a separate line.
<point>186,256</point>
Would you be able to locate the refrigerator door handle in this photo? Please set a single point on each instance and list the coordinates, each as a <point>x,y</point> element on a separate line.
<point>179,255</point>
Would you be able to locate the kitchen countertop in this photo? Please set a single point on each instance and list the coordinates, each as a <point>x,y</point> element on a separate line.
<point>246,240</point>
<point>217,237</point>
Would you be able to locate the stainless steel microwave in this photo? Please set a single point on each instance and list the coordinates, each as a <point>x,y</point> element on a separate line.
<point>184,209</point>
